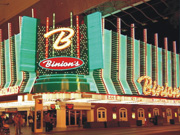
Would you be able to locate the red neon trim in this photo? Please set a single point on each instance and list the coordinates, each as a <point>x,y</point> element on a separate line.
<point>1,57</point>
<point>47,40</point>
<point>34,15</point>
<point>9,37</point>
<point>133,37</point>
<point>20,23</point>
<point>156,44</point>
<point>103,82</point>
<point>175,75</point>
<point>119,39</point>
<point>101,69</point>
<point>78,39</point>
<point>166,48</point>
<point>145,43</point>
<point>22,81</point>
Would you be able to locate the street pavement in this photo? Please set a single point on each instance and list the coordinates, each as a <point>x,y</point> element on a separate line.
<point>153,130</point>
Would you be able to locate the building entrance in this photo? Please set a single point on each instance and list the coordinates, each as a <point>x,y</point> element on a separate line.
<point>141,115</point>
<point>123,114</point>
<point>75,117</point>
<point>168,114</point>
<point>179,114</point>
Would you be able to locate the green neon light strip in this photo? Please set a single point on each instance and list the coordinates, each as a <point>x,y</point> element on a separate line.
<point>177,70</point>
<point>18,72</point>
<point>123,64</point>
<point>30,83</point>
<point>28,44</point>
<point>95,43</point>
<point>61,75</point>
<point>7,64</point>
<point>149,60</point>
<point>92,83</point>
<point>169,69</point>
<point>137,64</point>
<point>107,62</point>
<point>160,67</point>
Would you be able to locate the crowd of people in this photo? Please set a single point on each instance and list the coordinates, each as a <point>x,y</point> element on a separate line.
<point>20,120</point>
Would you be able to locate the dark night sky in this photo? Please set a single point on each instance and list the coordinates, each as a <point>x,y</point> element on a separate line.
<point>165,27</point>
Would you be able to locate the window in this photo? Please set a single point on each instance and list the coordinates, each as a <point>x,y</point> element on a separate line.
<point>156,111</point>
<point>133,115</point>
<point>101,114</point>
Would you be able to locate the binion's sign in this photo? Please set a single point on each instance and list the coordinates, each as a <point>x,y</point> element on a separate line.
<point>62,42</point>
<point>152,88</point>
<point>61,63</point>
<point>63,38</point>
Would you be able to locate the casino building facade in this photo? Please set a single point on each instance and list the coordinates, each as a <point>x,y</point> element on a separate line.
<point>88,75</point>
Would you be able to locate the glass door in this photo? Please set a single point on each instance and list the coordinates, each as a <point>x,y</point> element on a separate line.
<point>141,115</point>
<point>123,114</point>
<point>168,114</point>
<point>179,114</point>
<point>155,112</point>
<point>75,117</point>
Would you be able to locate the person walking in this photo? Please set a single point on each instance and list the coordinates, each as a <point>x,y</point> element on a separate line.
<point>47,120</point>
<point>18,120</point>
<point>30,120</point>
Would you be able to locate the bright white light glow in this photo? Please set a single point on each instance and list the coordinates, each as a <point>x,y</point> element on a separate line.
<point>62,38</point>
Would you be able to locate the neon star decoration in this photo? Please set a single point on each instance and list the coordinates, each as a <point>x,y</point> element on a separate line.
<point>65,40</point>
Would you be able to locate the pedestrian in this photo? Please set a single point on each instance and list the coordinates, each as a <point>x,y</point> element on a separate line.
<point>18,120</point>
<point>3,118</point>
<point>30,120</point>
<point>47,120</point>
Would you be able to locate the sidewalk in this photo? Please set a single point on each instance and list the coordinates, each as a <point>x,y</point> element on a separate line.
<point>27,130</point>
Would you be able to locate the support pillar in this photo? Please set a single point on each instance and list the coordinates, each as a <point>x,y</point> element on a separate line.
<point>90,115</point>
<point>61,116</point>
<point>27,122</point>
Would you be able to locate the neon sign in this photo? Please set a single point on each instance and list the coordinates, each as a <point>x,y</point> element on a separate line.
<point>61,63</point>
<point>69,106</point>
<point>10,90</point>
<point>65,40</point>
<point>158,90</point>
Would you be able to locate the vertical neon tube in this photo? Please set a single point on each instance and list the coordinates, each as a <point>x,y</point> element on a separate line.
<point>145,44</point>
<point>166,66</point>
<point>119,41</point>
<point>101,75</point>
<point>78,40</point>
<point>156,45</point>
<point>175,75</point>
<point>133,38</point>
<point>20,22</point>
<point>9,37</point>
<point>33,13</point>
<point>1,72</point>
<point>71,25</point>
<point>47,40</point>
<point>53,34</point>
